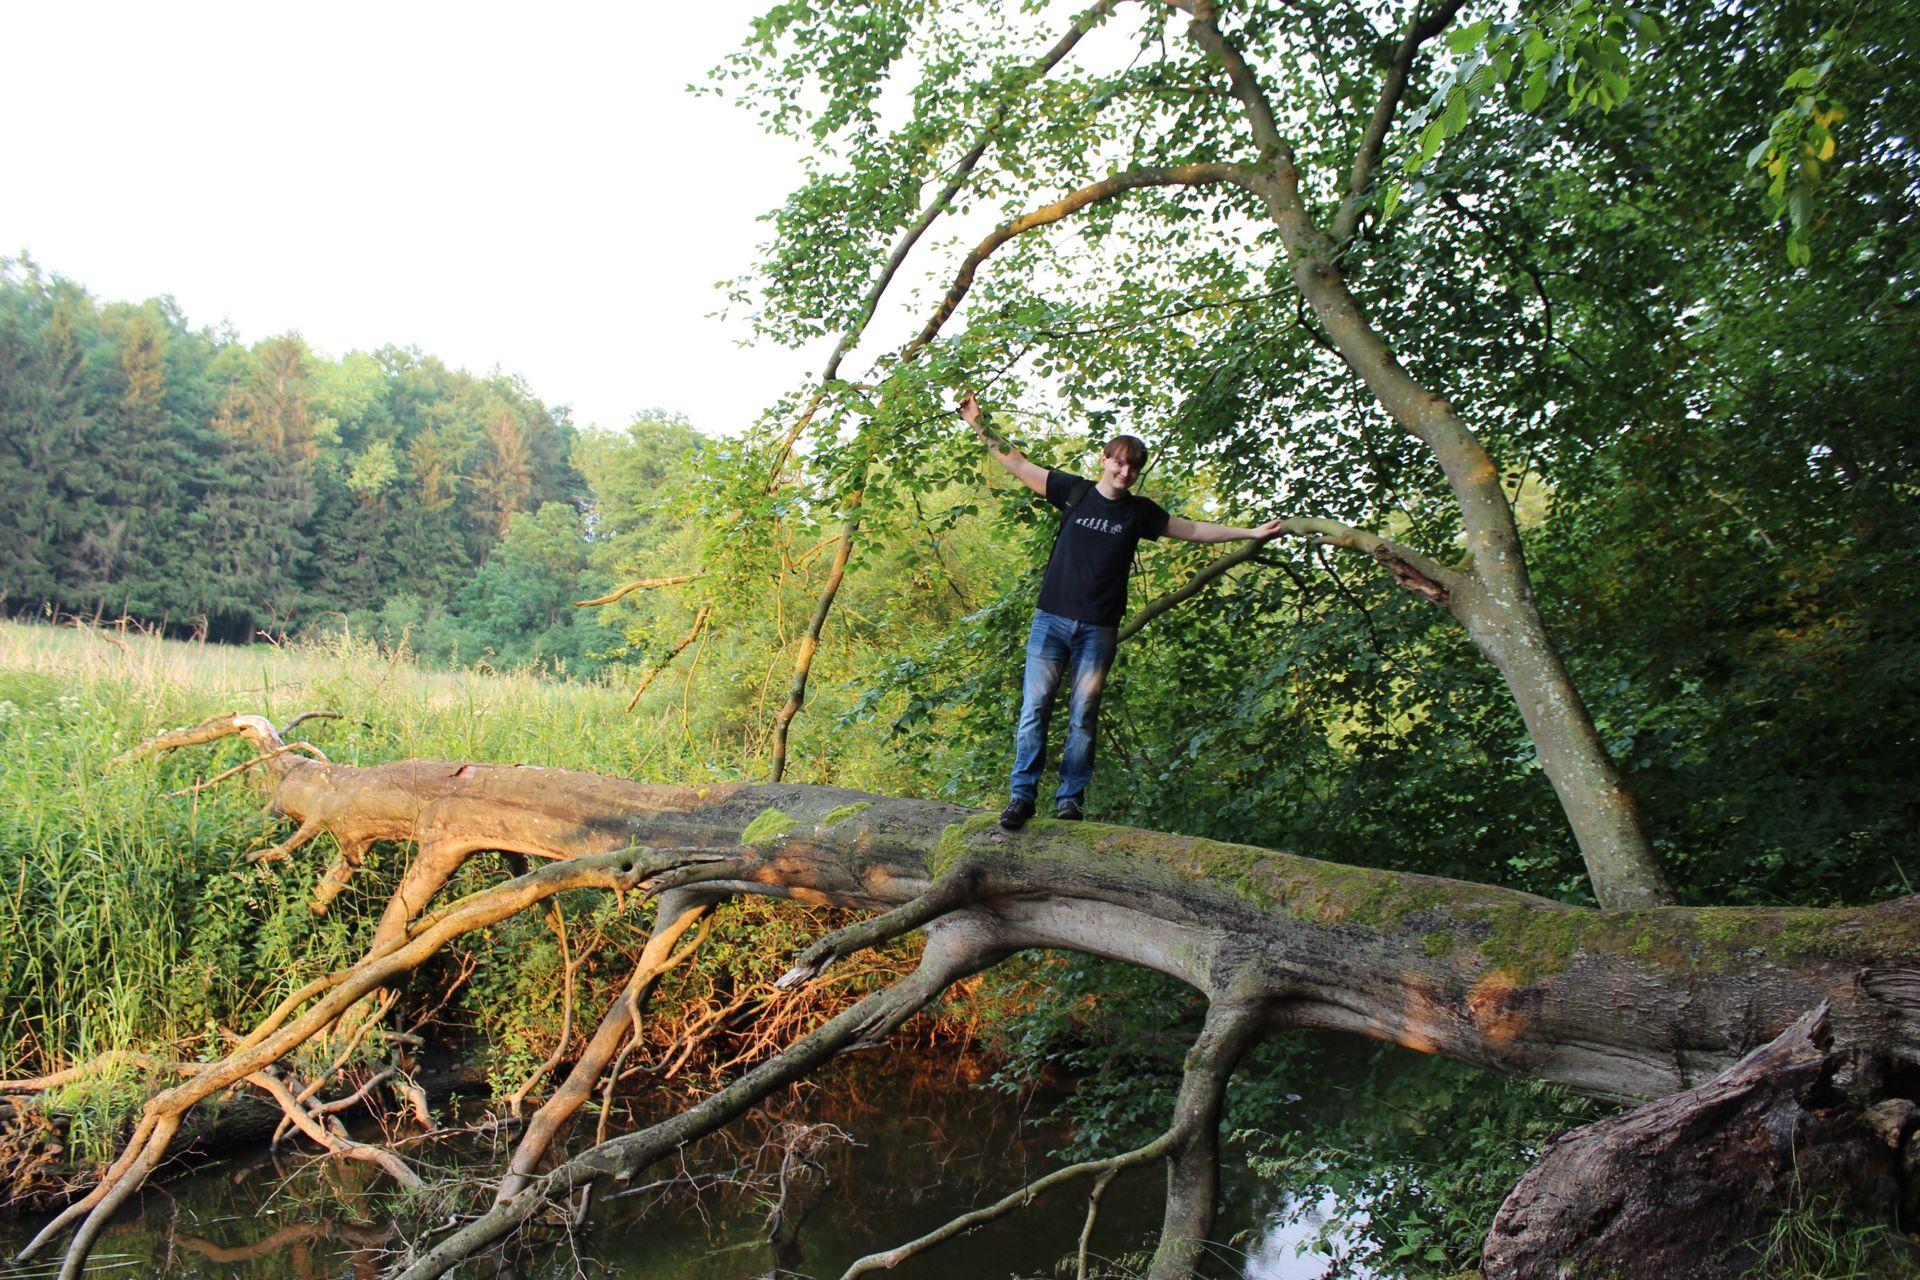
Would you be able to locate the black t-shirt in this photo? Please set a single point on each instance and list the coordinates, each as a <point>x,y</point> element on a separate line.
<point>1093,554</point>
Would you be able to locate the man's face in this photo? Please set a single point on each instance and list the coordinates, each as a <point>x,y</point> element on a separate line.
<point>1118,470</point>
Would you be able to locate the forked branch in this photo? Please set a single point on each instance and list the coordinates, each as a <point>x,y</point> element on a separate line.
<point>1409,568</point>
<point>940,203</point>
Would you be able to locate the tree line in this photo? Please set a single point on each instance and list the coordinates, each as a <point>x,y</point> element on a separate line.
<point>181,478</point>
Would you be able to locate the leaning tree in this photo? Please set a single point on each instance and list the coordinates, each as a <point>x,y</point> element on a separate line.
<point>1235,216</point>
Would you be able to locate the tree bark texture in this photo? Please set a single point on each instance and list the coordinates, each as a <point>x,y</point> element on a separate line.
<point>1684,1186</point>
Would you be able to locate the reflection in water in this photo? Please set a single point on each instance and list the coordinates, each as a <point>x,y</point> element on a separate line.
<point>1291,1245</point>
<point>872,1154</point>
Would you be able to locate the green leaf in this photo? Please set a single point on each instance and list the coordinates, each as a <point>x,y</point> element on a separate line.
<point>1800,206</point>
<point>1536,91</point>
<point>1430,139</point>
<point>1464,39</point>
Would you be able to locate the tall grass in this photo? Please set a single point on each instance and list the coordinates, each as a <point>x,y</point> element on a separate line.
<point>129,920</point>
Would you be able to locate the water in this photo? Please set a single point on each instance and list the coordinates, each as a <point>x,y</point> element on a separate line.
<point>900,1149</point>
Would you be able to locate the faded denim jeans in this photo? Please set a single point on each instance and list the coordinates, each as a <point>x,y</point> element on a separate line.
<point>1055,646</point>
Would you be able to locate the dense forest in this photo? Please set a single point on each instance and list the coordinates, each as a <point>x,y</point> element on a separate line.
<point>184,480</point>
<point>1670,308</point>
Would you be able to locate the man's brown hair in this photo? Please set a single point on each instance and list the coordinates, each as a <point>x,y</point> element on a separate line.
<point>1131,449</point>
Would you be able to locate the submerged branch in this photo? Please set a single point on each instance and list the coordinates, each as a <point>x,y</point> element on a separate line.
<point>1105,1168</point>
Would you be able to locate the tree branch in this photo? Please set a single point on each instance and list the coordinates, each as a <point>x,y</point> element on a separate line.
<point>1218,565</point>
<point>1184,175</point>
<point>693,632</point>
<point>673,916</point>
<point>810,643</point>
<point>1366,160</point>
<point>346,1148</point>
<point>644,584</point>
<point>1082,24</point>
<point>1410,569</point>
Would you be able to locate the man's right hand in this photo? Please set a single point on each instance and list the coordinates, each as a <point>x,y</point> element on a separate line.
<point>970,411</point>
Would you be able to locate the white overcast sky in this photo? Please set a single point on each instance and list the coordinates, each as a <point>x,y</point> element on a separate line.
<point>529,186</point>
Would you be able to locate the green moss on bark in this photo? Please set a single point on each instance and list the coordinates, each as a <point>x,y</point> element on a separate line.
<point>834,817</point>
<point>769,826</point>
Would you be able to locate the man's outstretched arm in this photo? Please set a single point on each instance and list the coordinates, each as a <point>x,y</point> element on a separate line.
<point>1031,474</point>
<point>1208,531</point>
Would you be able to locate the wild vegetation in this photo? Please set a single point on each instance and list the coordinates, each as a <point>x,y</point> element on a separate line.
<point>1589,330</point>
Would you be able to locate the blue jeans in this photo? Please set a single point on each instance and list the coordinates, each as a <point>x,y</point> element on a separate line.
<point>1056,645</point>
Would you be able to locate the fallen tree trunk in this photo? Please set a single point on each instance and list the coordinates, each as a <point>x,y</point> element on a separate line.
<point>1628,1004</point>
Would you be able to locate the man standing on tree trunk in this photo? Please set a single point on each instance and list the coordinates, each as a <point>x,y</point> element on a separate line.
<point>1076,626</point>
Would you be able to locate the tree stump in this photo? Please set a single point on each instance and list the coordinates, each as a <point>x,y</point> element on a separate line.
<point>1686,1187</point>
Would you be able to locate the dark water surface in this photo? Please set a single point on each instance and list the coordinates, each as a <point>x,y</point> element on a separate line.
<point>904,1149</point>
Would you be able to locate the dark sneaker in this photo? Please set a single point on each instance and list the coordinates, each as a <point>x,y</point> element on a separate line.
<point>1015,815</point>
<point>1069,811</point>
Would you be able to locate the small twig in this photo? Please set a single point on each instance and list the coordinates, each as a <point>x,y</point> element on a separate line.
<point>305,716</point>
<point>1155,1150</point>
<point>699,621</point>
<point>224,774</point>
<point>558,923</point>
<point>1093,1212</point>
